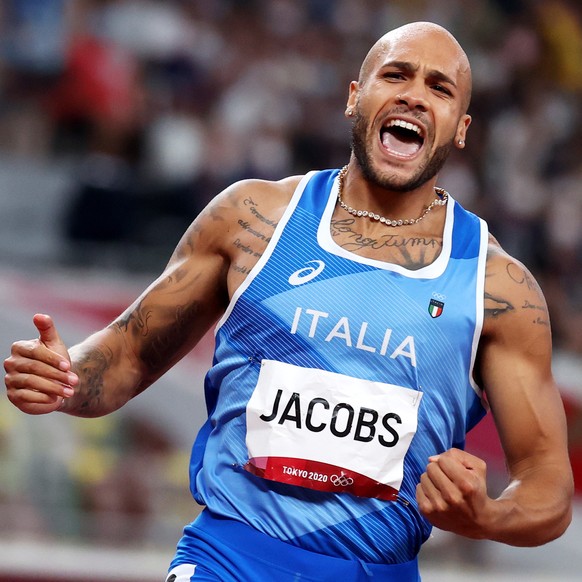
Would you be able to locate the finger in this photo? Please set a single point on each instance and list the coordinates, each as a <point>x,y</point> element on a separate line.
<point>456,481</point>
<point>34,350</point>
<point>437,475</point>
<point>32,402</point>
<point>31,359</point>
<point>30,396</point>
<point>429,497</point>
<point>21,382</point>
<point>422,499</point>
<point>467,459</point>
<point>49,335</point>
<point>460,465</point>
<point>447,483</point>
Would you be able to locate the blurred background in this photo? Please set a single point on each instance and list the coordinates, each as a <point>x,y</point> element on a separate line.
<point>120,119</point>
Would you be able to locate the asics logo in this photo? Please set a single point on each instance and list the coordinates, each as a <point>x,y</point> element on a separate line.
<point>307,273</point>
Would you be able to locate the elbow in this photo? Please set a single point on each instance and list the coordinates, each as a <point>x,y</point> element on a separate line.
<point>562,523</point>
<point>554,528</point>
<point>537,526</point>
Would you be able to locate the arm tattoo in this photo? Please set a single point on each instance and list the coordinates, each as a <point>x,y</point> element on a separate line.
<point>255,212</point>
<point>167,341</point>
<point>241,269</point>
<point>539,313</point>
<point>497,306</point>
<point>186,247</point>
<point>523,277</point>
<point>137,318</point>
<point>91,368</point>
<point>246,248</point>
<point>245,225</point>
<point>520,276</point>
<point>528,305</point>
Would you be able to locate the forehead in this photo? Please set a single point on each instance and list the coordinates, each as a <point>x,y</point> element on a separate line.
<point>424,49</point>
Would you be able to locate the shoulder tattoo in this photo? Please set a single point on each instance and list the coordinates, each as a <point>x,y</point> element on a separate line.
<point>520,294</point>
<point>256,232</point>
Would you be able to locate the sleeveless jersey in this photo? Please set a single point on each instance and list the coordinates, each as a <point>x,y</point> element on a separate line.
<point>399,346</point>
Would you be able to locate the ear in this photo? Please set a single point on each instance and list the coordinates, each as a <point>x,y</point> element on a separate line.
<point>461,135</point>
<point>352,99</point>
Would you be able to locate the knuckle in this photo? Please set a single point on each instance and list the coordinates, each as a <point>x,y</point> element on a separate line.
<point>19,347</point>
<point>8,364</point>
<point>452,498</point>
<point>432,470</point>
<point>22,380</point>
<point>436,506</point>
<point>466,489</point>
<point>8,381</point>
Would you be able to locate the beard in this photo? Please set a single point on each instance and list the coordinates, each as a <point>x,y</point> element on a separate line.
<point>424,173</point>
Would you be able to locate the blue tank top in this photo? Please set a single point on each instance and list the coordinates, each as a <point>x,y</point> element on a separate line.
<point>313,305</point>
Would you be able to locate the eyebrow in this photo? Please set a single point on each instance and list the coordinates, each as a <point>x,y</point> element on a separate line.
<point>407,67</point>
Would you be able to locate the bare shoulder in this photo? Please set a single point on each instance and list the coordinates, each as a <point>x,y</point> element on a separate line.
<point>210,261</point>
<point>238,224</point>
<point>241,207</point>
<point>514,302</point>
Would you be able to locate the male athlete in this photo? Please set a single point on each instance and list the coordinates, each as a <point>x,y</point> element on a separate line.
<point>365,321</point>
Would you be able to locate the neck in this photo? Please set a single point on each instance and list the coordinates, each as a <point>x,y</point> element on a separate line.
<point>440,199</point>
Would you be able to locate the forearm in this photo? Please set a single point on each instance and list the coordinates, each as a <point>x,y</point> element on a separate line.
<point>534,509</point>
<point>108,375</point>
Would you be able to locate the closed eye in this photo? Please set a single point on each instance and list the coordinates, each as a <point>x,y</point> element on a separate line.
<point>393,75</point>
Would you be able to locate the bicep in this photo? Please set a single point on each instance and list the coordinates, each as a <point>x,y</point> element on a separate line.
<point>209,263</point>
<point>179,307</point>
<point>515,368</point>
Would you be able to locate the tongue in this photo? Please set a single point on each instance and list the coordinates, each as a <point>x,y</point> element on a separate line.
<point>399,144</point>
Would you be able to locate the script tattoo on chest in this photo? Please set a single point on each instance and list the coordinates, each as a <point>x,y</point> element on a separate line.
<point>411,252</point>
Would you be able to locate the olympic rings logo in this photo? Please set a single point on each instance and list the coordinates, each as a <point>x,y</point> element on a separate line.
<point>341,480</point>
<point>439,296</point>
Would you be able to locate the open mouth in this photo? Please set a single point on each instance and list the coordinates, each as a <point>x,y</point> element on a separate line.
<point>402,138</point>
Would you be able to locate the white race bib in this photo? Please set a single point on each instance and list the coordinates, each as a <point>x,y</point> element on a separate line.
<point>329,432</point>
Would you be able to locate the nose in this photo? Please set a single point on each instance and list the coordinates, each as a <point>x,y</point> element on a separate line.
<point>413,98</point>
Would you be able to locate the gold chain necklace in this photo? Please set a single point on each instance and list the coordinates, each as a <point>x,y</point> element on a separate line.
<point>440,200</point>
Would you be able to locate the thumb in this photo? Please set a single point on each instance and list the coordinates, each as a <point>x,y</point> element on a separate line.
<point>48,332</point>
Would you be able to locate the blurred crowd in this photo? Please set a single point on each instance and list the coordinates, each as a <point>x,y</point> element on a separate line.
<point>157,106</point>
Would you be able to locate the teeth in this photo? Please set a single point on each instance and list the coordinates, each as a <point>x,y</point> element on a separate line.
<point>405,125</point>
